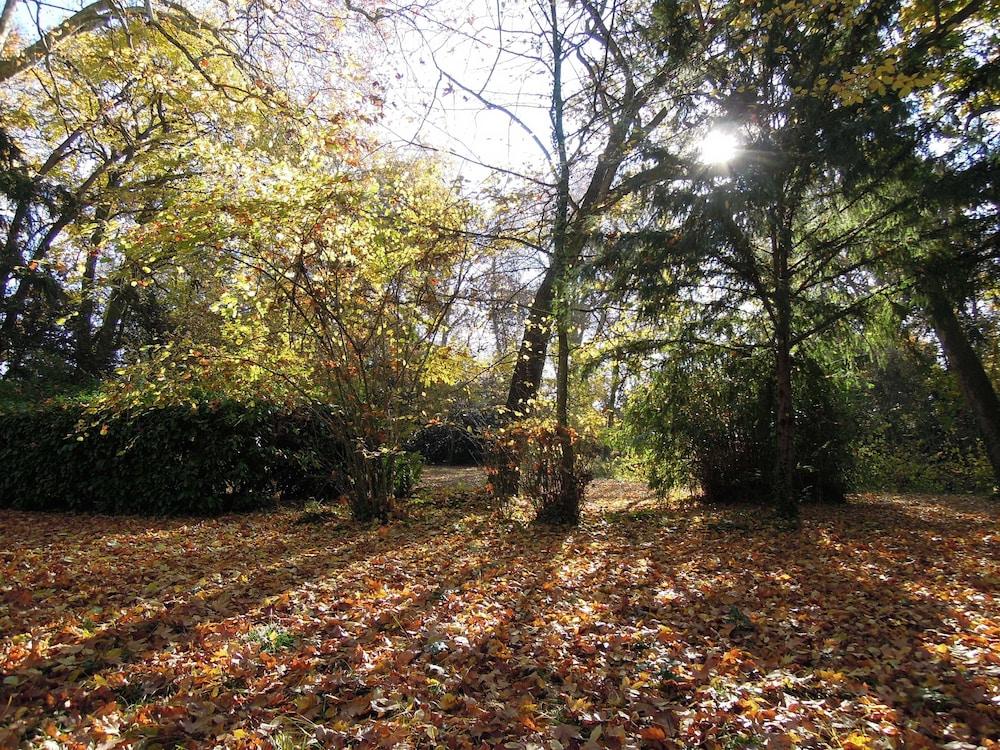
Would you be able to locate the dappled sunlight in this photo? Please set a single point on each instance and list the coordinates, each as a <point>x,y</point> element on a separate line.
<point>653,626</point>
<point>325,324</point>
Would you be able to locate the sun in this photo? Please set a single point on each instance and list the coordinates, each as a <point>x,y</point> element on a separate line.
<point>719,146</point>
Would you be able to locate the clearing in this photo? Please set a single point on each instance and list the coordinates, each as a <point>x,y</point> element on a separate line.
<point>657,624</point>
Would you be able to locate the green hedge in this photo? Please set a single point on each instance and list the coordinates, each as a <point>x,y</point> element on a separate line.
<point>214,457</point>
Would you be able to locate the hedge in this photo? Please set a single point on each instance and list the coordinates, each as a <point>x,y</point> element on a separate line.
<point>211,458</point>
<point>457,441</point>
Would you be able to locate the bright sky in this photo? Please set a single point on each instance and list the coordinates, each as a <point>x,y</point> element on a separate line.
<point>451,64</point>
<point>452,38</point>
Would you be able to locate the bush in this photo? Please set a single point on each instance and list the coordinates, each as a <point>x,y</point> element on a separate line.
<point>212,457</point>
<point>460,440</point>
<point>409,467</point>
<point>912,467</point>
<point>709,421</point>
<point>528,453</point>
<point>916,431</point>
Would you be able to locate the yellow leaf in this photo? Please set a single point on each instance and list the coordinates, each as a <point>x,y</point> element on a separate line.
<point>751,706</point>
<point>858,741</point>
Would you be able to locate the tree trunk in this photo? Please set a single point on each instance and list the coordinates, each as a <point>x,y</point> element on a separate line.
<point>83,328</point>
<point>106,339</point>
<point>527,375</point>
<point>565,508</point>
<point>6,22</point>
<point>12,255</point>
<point>975,384</point>
<point>786,501</point>
<point>16,303</point>
<point>524,382</point>
<point>11,251</point>
<point>85,341</point>
<point>611,408</point>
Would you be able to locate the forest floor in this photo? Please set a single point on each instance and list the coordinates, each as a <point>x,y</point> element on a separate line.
<point>653,624</point>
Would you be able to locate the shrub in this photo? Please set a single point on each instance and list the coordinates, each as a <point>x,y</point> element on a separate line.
<point>530,451</point>
<point>409,467</point>
<point>459,440</point>
<point>914,466</point>
<point>210,457</point>
<point>916,433</point>
<point>709,421</point>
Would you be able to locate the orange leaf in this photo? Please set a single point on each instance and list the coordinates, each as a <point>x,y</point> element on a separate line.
<point>653,734</point>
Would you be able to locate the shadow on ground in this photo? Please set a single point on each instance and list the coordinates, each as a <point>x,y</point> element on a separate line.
<point>661,623</point>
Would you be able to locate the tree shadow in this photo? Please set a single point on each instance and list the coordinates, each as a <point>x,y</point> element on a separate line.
<point>386,652</point>
<point>624,623</point>
<point>862,596</point>
<point>86,563</point>
<point>194,589</point>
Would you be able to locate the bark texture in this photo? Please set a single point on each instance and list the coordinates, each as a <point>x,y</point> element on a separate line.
<point>963,360</point>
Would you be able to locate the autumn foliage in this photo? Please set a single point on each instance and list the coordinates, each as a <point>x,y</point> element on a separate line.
<point>256,256</point>
<point>653,624</point>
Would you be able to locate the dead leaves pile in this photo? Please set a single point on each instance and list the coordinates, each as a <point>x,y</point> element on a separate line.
<point>666,626</point>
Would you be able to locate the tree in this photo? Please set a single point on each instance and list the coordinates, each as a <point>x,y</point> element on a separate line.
<point>955,192</point>
<point>334,285</point>
<point>124,115</point>
<point>781,238</point>
<point>605,115</point>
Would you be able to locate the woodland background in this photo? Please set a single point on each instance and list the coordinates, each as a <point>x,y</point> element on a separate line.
<point>274,258</point>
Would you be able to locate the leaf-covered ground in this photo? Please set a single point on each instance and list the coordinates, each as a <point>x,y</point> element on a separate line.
<point>653,624</point>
